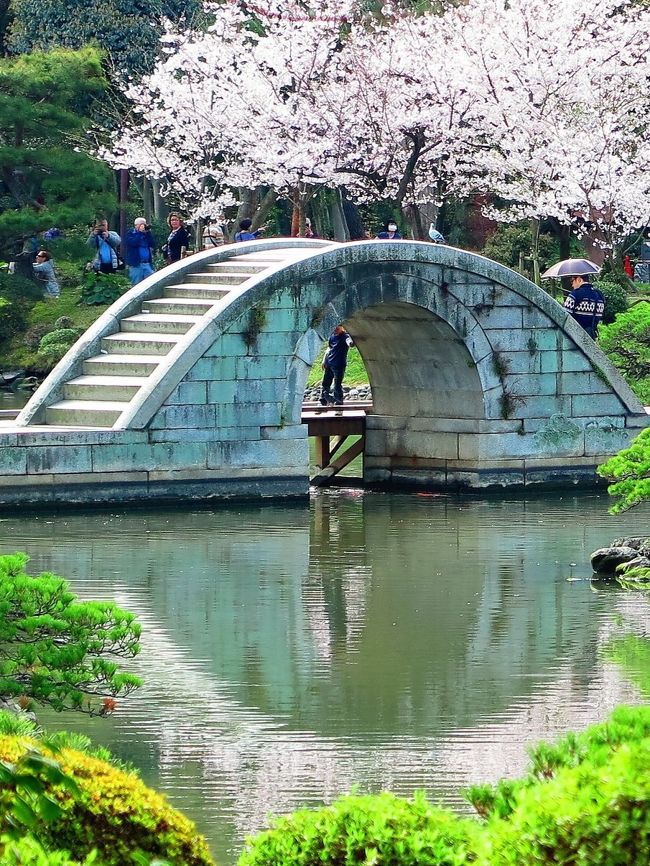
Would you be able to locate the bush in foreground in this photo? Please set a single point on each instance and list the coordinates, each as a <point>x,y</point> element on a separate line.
<point>584,802</point>
<point>380,829</point>
<point>108,811</point>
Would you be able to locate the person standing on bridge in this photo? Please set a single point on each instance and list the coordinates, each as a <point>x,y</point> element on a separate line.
<point>586,304</point>
<point>334,363</point>
<point>139,251</point>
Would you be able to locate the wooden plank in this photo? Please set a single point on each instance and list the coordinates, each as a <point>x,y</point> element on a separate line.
<point>336,426</point>
<point>325,475</point>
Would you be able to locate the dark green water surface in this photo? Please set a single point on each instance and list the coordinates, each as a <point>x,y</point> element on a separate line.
<point>395,641</point>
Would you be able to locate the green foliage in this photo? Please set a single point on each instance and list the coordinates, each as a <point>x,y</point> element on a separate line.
<point>584,802</point>
<point>626,342</point>
<point>99,288</point>
<point>53,648</point>
<point>632,654</point>
<point>27,851</point>
<point>15,287</point>
<point>56,343</point>
<point>25,799</point>
<point>128,30</point>
<point>12,318</point>
<point>44,104</point>
<point>629,474</point>
<point>509,242</point>
<point>380,829</point>
<point>96,807</point>
<point>595,746</point>
<point>593,814</point>
<point>616,299</point>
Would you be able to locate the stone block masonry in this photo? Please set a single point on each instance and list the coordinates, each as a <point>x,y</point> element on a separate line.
<point>479,381</point>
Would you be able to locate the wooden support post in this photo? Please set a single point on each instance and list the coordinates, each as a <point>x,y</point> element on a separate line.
<point>328,472</point>
<point>322,451</point>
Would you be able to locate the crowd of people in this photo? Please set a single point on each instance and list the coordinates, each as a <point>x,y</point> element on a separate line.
<point>584,302</point>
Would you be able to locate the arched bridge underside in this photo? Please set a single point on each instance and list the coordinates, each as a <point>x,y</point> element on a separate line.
<point>191,385</point>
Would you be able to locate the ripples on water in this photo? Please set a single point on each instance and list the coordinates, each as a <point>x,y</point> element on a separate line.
<point>394,641</point>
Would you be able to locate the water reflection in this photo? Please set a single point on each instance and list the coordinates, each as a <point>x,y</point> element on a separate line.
<point>388,640</point>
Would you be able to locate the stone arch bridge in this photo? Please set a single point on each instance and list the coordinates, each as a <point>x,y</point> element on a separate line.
<point>191,385</point>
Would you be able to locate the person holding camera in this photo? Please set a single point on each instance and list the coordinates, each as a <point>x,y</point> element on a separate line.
<point>106,244</point>
<point>139,251</point>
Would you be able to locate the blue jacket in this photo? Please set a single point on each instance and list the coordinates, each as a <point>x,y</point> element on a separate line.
<point>139,248</point>
<point>586,304</point>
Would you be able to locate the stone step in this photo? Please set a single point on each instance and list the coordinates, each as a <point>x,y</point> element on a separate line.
<point>84,413</point>
<point>231,278</point>
<point>233,265</point>
<point>270,258</point>
<point>120,365</point>
<point>139,344</point>
<point>148,323</point>
<point>197,290</point>
<point>119,389</point>
<point>174,306</point>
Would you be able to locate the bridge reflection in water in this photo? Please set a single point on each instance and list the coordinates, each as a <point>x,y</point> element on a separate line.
<point>387,640</point>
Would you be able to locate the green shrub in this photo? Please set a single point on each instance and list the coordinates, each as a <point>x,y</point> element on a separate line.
<point>509,241</point>
<point>12,318</point>
<point>626,342</point>
<point>594,814</point>
<point>27,851</point>
<point>99,288</point>
<point>55,344</point>
<point>15,287</point>
<point>596,745</point>
<point>35,334</point>
<point>616,299</point>
<point>64,322</point>
<point>109,810</point>
<point>379,829</point>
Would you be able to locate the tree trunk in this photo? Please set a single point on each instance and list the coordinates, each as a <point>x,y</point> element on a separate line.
<point>124,200</point>
<point>337,216</point>
<point>263,208</point>
<point>160,209</point>
<point>147,198</point>
<point>534,251</point>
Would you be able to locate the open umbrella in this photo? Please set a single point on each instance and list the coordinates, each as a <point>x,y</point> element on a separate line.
<point>571,268</point>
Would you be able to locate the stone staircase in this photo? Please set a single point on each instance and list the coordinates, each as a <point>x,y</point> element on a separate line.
<point>110,380</point>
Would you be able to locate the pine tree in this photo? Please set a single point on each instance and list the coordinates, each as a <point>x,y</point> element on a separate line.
<point>54,649</point>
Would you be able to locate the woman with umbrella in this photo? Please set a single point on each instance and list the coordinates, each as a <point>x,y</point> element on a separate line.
<point>584,302</point>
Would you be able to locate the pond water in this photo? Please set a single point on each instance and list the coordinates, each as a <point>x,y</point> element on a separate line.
<point>394,641</point>
<point>13,399</point>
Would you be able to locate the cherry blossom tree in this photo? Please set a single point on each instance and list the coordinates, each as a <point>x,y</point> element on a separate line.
<point>538,103</point>
<point>564,87</point>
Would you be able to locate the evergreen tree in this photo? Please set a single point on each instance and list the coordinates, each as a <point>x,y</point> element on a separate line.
<point>53,647</point>
<point>45,177</point>
<point>126,30</point>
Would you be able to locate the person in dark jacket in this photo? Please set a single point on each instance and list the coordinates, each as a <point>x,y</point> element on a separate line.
<point>139,251</point>
<point>334,364</point>
<point>586,304</point>
<point>178,241</point>
<point>390,232</point>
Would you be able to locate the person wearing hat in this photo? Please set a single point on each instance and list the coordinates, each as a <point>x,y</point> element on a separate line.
<point>586,304</point>
<point>139,251</point>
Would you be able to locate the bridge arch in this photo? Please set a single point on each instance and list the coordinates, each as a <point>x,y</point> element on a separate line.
<point>479,378</point>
